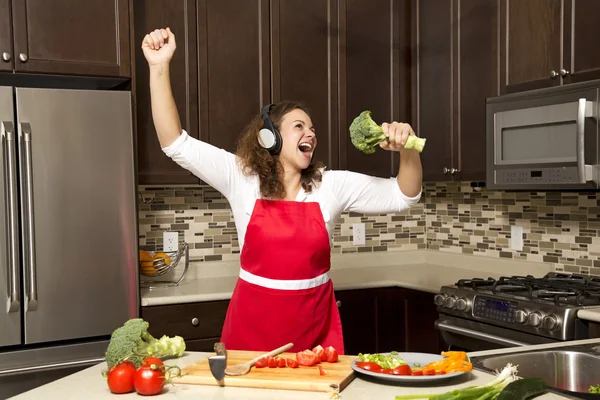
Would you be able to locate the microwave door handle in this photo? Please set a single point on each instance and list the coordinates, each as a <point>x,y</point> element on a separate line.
<point>584,110</point>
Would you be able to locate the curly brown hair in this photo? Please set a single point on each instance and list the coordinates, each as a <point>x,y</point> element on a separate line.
<point>256,160</point>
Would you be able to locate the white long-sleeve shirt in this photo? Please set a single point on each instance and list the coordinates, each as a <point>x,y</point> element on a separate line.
<point>339,191</point>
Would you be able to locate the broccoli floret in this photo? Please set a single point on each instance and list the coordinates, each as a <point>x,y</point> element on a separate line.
<point>133,342</point>
<point>366,135</point>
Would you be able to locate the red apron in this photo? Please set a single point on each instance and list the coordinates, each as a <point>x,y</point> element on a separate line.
<point>284,293</point>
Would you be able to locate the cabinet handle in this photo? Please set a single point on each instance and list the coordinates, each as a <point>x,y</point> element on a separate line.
<point>6,56</point>
<point>454,171</point>
<point>564,73</point>
<point>195,321</point>
<point>338,304</point>
<point>553,74</point>
<point>445,170</point>
<point>23,57</point>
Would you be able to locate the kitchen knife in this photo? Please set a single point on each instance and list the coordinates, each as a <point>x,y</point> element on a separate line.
<point>218,362</point>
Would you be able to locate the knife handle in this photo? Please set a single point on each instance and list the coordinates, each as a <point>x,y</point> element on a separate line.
<point>273,353</point>
<point>220,348</point>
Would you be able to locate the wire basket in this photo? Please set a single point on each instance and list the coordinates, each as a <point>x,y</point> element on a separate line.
<point>155,264</point>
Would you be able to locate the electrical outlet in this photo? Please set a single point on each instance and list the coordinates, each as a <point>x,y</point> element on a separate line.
<point>516,238</point>
<point>358,234</point>
<point>170,241</point>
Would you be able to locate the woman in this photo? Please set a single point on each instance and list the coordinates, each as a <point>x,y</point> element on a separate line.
<point>285,207</point>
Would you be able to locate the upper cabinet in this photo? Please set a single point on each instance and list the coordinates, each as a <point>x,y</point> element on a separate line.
<point>70,37</point>
<point>548,43</point>
<point>455,69</point>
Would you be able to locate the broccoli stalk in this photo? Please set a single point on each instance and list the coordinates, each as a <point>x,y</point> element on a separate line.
<point>365,135</point>
<point>133,342</point>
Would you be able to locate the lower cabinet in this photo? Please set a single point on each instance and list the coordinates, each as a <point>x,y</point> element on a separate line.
<point>373,321</point>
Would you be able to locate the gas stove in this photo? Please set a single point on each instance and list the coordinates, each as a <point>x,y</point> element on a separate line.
<point>539,307</point>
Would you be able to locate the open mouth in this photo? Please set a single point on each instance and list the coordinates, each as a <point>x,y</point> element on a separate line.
<point>305,147</point>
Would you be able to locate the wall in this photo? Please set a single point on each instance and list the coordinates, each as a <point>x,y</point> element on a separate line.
<point>560,228</point>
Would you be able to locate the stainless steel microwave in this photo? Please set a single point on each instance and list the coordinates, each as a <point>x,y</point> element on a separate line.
<point>544,139</point>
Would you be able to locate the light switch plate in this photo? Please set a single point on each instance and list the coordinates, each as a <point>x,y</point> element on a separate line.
<point>516,238</point>
<point>170,241</point>
<point>358,234</point>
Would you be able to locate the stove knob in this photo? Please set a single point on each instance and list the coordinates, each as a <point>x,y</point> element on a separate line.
<point>535,319</point>
<point>439,299</point>
<point>551,322</point>
<point>449,302</point>
<point>462,304</point>
<point>520,316</point>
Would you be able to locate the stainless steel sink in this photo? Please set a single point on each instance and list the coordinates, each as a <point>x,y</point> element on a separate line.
<point>568,370</point>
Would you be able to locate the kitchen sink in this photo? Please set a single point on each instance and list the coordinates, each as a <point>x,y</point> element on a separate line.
<point>565,370</point>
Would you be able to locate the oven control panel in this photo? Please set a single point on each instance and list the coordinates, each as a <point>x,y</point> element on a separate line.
<point>494,309</point>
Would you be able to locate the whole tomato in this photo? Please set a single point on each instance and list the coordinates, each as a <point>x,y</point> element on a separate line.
<point>149,380</point>
<point>153,360</point>
<point>120,378</point>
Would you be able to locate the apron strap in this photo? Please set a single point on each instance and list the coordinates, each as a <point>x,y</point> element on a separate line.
<point>298,284</point>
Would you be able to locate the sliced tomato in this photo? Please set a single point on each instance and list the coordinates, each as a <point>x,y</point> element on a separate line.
<point>291,363</point>
<point>403,369</point>
<point>281,362</point>
<point>320,352</point>
<point>386,371</point>
<point>417,372</point>
<point>322,371</point>
<point>429,372</point>
<point>272,362</point>
<point>307,358</point>
<point>331,354</point>
<point>262,363</point>
<point>369,366</point>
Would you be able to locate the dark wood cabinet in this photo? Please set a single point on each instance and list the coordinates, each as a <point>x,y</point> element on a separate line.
<point>455,69</point>
<point>358,312</point>
<point>6,39</point>
<point>548,43</point>
<point>69,37</point>
<point>154,167</point>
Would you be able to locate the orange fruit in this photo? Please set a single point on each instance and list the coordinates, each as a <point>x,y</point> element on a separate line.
<point>145,259</point>
<point>164,256</point>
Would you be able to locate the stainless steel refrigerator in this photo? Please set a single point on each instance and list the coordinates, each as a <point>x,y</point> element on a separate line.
<point>68,230</point>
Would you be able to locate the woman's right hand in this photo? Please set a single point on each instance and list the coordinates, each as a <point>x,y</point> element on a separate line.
<point>158,46</point>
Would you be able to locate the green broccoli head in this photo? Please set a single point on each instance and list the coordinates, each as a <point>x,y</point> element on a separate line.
<point>366,135</point>
<point>133,342</point>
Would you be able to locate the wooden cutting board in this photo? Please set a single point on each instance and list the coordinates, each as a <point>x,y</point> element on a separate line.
<point>338,374</point>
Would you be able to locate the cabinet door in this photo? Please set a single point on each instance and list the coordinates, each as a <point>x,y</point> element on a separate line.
<point>374,75</point>
<point>530,44</point>
<point>421,314</point>
<point>154,167</point>
<point>434,91</point>
<point>477,80</point>
<point>304,51</point>
<point>88,37</point>
<point>6,39</point>
<point>581,56</point>
<point>358,312</point>
<point>233,67</point>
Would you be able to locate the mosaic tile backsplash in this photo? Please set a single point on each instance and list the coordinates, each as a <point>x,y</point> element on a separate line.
<point>560,228</point>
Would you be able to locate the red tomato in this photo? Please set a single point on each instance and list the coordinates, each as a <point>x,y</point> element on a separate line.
<point>369,366</point>
<point>429,372</point>
<point>402,370</point>
<point>291,363</point>
<point>120,378</point>
<point>320,352</point>
<point>272,361</point>
<point>386,371</point>
<point>153,360</point>
<point>417,372</point>
<point>261,363</point>
<point>149,381</point>
<point>322,371</point>
<point>331,354</point>
<point>307,358</point>
<point>280,362</point>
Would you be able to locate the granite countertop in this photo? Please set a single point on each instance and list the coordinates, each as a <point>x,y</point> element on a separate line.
<point>90,385</point>
<point>420,270</point>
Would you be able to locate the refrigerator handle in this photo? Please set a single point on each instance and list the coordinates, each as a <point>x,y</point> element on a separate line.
<point>8,134</point>
<point>27,176</point>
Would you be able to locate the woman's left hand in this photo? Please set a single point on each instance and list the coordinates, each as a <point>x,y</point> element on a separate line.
<point>398,133</point>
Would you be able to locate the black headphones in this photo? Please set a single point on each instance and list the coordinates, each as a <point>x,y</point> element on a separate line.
<point>268,136</point>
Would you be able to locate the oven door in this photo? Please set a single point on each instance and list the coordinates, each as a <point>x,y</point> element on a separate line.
<point>467,335</point>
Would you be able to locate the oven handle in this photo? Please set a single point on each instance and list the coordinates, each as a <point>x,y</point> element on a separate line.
<point>448,327</point>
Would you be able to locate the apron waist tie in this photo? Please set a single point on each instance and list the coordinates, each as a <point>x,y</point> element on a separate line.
<point>298,284</point>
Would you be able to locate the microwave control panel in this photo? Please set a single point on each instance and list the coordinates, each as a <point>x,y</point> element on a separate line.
<point>540,175</point>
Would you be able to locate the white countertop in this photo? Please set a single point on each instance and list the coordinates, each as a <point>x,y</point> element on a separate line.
<point>90,385</point>
<point>423,270</point>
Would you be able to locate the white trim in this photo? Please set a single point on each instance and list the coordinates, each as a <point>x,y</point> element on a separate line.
<point>284,284</point>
